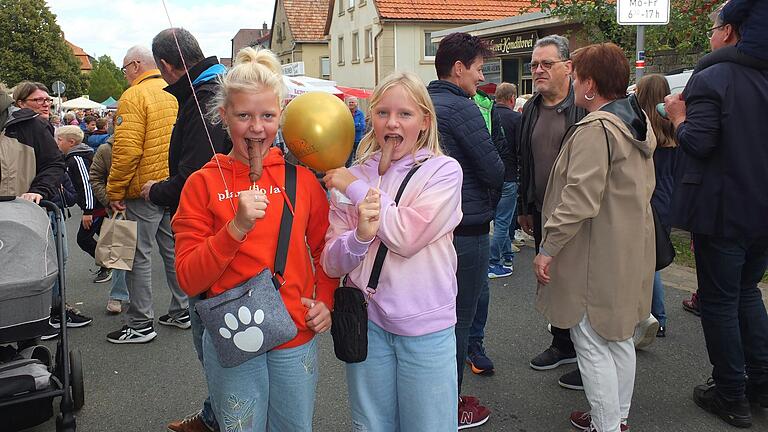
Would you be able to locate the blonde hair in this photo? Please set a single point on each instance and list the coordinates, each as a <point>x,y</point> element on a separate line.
<point>254,70</point>
<point>412,85</point>
<point>70,132</point>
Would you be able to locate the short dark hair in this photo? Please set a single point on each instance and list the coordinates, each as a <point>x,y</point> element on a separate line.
<point>89,118</point>
<point>101,123</point>
<point>606,65</point>
<point>25,88</point>
<point>164,48</point>
<point>458,46</point>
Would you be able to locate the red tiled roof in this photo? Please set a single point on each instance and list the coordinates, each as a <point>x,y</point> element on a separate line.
<point>306,18</point>
<point>85,61</point>
<point>451,10</point>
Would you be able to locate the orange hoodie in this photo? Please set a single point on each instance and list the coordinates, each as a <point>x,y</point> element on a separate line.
<point>209,260</point>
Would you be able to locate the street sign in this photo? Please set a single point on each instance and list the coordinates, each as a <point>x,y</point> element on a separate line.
<point>58,87</point>
<point>642,12</point>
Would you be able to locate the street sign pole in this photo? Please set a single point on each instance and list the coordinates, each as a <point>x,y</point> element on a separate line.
<point>640,60</point>
<point>641,13</point>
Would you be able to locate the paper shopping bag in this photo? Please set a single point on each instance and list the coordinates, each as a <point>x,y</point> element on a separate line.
<point>117,243</point>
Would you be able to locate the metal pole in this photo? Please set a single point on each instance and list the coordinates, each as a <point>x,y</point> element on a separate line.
<point>640,61</point>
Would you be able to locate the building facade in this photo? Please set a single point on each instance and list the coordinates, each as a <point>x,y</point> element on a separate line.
<point>511,40</point>
<point>298,35</point>
<point>250,38</point>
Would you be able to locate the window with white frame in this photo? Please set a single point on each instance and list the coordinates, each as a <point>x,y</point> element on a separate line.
<point>368,43</point>
<point>355,46</point>
<point>325,67</point>
<point>430,48</point>
<point>341,50</point>
<point>350,4</point>
<point>342,7</point>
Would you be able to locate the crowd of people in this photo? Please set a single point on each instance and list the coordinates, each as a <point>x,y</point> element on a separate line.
<point>439,178</point>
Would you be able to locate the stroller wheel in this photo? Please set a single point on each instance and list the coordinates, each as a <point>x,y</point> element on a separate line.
<point>76,379</point>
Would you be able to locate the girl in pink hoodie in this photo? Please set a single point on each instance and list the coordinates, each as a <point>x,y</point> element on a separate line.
<point>408,381</point>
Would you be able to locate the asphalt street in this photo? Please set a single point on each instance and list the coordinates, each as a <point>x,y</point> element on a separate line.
<point>142,387</point>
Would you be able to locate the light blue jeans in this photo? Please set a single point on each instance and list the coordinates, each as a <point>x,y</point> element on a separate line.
<point>209,418</point>
<point>119,289</point>
<point>274,391</point>
<point>407,383</point>
<point>501,244</point>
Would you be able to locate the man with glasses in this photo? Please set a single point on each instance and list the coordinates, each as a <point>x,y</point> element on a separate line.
<point>721,199</point>
<point>145,117</point>
<point>546,118</point>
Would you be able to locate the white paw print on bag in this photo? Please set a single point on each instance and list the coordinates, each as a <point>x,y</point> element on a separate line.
<point>252,338</point>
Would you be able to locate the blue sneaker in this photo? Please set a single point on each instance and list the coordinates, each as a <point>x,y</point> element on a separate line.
<point>497,271</point>
<point>478,360</point>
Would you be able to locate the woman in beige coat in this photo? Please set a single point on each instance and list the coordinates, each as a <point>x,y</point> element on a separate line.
<point>597,258</point>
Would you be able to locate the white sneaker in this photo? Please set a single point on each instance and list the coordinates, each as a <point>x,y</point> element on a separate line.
<point>645,332</point>
<point>114,306</point>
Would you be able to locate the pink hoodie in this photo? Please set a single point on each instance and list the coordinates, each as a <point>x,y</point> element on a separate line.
<point>417,287</point>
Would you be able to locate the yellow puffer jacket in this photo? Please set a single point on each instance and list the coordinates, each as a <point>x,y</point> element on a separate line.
<point>145,117</point>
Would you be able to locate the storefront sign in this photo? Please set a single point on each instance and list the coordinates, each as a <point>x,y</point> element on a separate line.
<point>513,43</point>
<point>293,69</point>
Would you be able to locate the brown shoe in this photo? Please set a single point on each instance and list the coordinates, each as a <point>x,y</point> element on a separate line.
<point>193,423</point>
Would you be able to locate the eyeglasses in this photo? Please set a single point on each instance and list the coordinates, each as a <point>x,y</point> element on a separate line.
<point>122,69</point>
<point>546,64</point>
<point>711,32</point>
<point>41,100</point>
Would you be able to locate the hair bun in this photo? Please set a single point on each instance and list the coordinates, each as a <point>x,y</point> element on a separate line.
<point>262,57</point>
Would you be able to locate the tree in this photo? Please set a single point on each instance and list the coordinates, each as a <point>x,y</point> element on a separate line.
<point>32,47</point>
<point>103,81</point>
<point>685,33</point>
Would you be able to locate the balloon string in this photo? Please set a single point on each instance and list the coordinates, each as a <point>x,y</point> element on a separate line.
<point>199,108</point>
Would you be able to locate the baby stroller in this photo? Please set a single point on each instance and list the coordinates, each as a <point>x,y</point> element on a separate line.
<point>29,266</point>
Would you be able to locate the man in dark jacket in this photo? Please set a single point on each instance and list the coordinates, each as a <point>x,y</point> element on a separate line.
<point>547,116</point>
<point>190,147</point>
<point>721,199</point>
<point>465,137</point>
<point>189,150</point>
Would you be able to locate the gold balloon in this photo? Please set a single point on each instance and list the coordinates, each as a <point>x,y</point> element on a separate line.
<point>319,130</point>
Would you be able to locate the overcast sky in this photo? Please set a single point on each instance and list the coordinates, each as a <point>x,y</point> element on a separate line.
<point>112,27</point>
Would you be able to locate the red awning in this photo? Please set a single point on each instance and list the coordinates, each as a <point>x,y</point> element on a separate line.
<point>360,93</point>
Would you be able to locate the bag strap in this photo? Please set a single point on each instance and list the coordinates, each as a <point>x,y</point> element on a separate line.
<point>286,223</point>
<point>381,253</point>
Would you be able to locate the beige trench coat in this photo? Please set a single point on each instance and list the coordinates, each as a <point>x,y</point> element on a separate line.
<point>598,227</point>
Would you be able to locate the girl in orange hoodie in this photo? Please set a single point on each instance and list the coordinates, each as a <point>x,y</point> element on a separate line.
<point>226,233</point>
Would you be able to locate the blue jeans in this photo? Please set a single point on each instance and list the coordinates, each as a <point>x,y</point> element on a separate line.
<point>407,383</point>
<point>119,289</point>
<point>472,276</point>
<point>501,245</point>
<point>274,391</point>
<point>209,418</point>
<point>657,303</point>
<point>733,315</point>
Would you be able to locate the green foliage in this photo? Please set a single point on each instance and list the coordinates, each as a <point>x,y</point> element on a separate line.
<point>104,82</point>
<point>685,33</point>
<point>32,47</point>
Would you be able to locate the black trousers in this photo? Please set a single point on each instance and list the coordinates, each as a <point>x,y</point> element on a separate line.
<point>561,338</point>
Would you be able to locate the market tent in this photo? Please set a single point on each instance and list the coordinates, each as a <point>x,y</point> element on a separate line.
<point>83,103</point>
<point>359,93</point>
<point>110,103</point>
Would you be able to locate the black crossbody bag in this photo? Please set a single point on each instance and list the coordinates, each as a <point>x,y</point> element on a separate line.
<point>349,325</point>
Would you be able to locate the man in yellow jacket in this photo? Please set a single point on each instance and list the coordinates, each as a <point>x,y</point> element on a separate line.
<point>143,126</point>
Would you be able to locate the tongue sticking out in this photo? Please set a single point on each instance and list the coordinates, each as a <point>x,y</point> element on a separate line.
<point>254,160</point>
<point>386,154</point>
